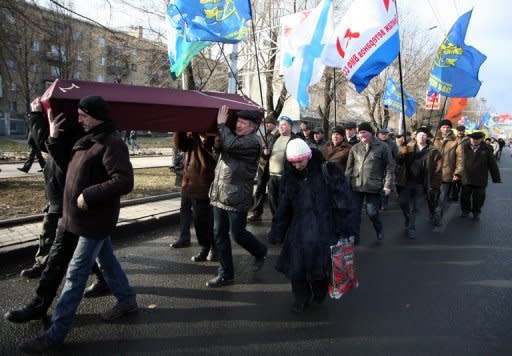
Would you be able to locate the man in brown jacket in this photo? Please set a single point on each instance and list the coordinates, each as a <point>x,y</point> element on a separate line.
<point>478,161</point>
<point>198,169</point>
<point>337,149</point>
<point>98,173</point>
<point>450,148</point>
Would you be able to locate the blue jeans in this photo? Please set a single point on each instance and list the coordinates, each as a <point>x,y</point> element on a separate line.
<point>77,274</point>
<point>372,209</point>
<point>233,222</point>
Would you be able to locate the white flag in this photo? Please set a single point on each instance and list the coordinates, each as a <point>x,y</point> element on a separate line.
<point>365,41</point>
<point>303,38</point>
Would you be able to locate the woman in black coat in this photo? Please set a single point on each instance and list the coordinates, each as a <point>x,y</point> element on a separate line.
<point>314,212</point>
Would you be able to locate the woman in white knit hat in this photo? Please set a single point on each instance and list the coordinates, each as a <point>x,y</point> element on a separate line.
<point>306,222</point>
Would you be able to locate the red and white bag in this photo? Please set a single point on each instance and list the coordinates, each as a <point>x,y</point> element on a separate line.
<point>343,275</point>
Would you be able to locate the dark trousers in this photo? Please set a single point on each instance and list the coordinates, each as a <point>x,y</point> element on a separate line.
<point>273,192</point>
<point>456,187</point>
<point>372,209</point>
<point>233,223</point>
<point>59,257</point>
<point>34,152</point>
<point>443,201</point>
<point>410,196</point>
<point>304,290</point>
<point>185,218</point>
<point>472,199</point>
<point>261,192</point>
<point>46,238</point>
<point>202,215</point>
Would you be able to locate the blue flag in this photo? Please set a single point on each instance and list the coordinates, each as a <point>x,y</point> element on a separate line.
<point>393,98</point>
<point>218,21</point>
<point>180,50</point>
<point>456,66</point>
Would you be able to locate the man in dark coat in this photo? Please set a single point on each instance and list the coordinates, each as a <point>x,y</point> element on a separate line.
<point>319,140</point>
<point>35,151</point>
<point>370,171</point>
<point>308,226</point>
<point>419,171</point>
<point>478,160</point>
<point>198,169</point>
<point>98,173</point>
<point>351,132</point>
<point>231,193</point>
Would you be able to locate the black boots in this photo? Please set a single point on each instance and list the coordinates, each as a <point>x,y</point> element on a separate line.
<point>35,310</point>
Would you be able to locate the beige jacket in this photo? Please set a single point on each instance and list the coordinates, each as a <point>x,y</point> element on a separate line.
<point>451,150</point>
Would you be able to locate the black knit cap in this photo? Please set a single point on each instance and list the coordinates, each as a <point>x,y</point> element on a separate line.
<point>365,126</point>
<point>94,106</point>
<point>445,122</point>
<point>250,115</point>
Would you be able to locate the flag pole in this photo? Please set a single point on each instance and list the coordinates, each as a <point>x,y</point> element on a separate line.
<point>258,68</point>
<point>335,96</point>
<point>401,83</point>
<point>442,114</point>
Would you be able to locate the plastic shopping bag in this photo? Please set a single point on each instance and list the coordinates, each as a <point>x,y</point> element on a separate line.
<point>343,276</point>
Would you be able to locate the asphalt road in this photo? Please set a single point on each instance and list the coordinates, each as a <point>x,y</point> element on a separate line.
<point>448,292</point>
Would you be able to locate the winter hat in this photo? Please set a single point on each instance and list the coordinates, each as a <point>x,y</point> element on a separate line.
<point>297,150</point>
<point>423,129</point>
<point>287,119</point>
<point>339,129</point>
<point>250,115</point>
<point>318,130</point>
<point>365,126</point>
<point>477,135</point>
<point>445,122</point>
<point>460,128</point>
<point>94,106</point>
<point>350,125</point>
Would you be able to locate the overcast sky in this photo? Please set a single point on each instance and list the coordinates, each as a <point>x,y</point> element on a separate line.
<point>490,31</point>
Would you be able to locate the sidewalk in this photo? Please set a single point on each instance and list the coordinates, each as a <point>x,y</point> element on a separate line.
<point>145,211</point>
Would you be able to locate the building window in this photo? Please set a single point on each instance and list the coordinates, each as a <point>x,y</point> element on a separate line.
<point>101,42</point>
<point>134,51</point>
<point>13,106</point>
<point>77,75</point>
<point>35,46</point>
<point>11,63</point>
<point>133,67</point>
<point>101,61</point>
<point>100,78</point>
<point>55,71</point>
<point>147,70</point>
<point>79,36</point>
<point>12,86</point>
<point>9,17</point>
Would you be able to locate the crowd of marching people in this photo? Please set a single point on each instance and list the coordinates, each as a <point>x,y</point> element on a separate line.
<point>317,187</point>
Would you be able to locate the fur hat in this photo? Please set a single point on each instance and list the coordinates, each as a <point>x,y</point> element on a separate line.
<point>94,106</point>
<point>297,150</point>
<point>445,122</point>
<point>460,128</point>
<point>250,115</point>
<point>365,126</point>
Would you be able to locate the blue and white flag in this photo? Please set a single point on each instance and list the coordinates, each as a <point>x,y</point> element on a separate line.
<point>180,50</point>
<point>302,47</point>
<point>217,21</point>
<point>456,66</point>
<point>365,41</point>
<point>393,98</point>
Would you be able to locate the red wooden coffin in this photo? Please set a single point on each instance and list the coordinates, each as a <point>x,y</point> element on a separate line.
<point>146,108</point>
